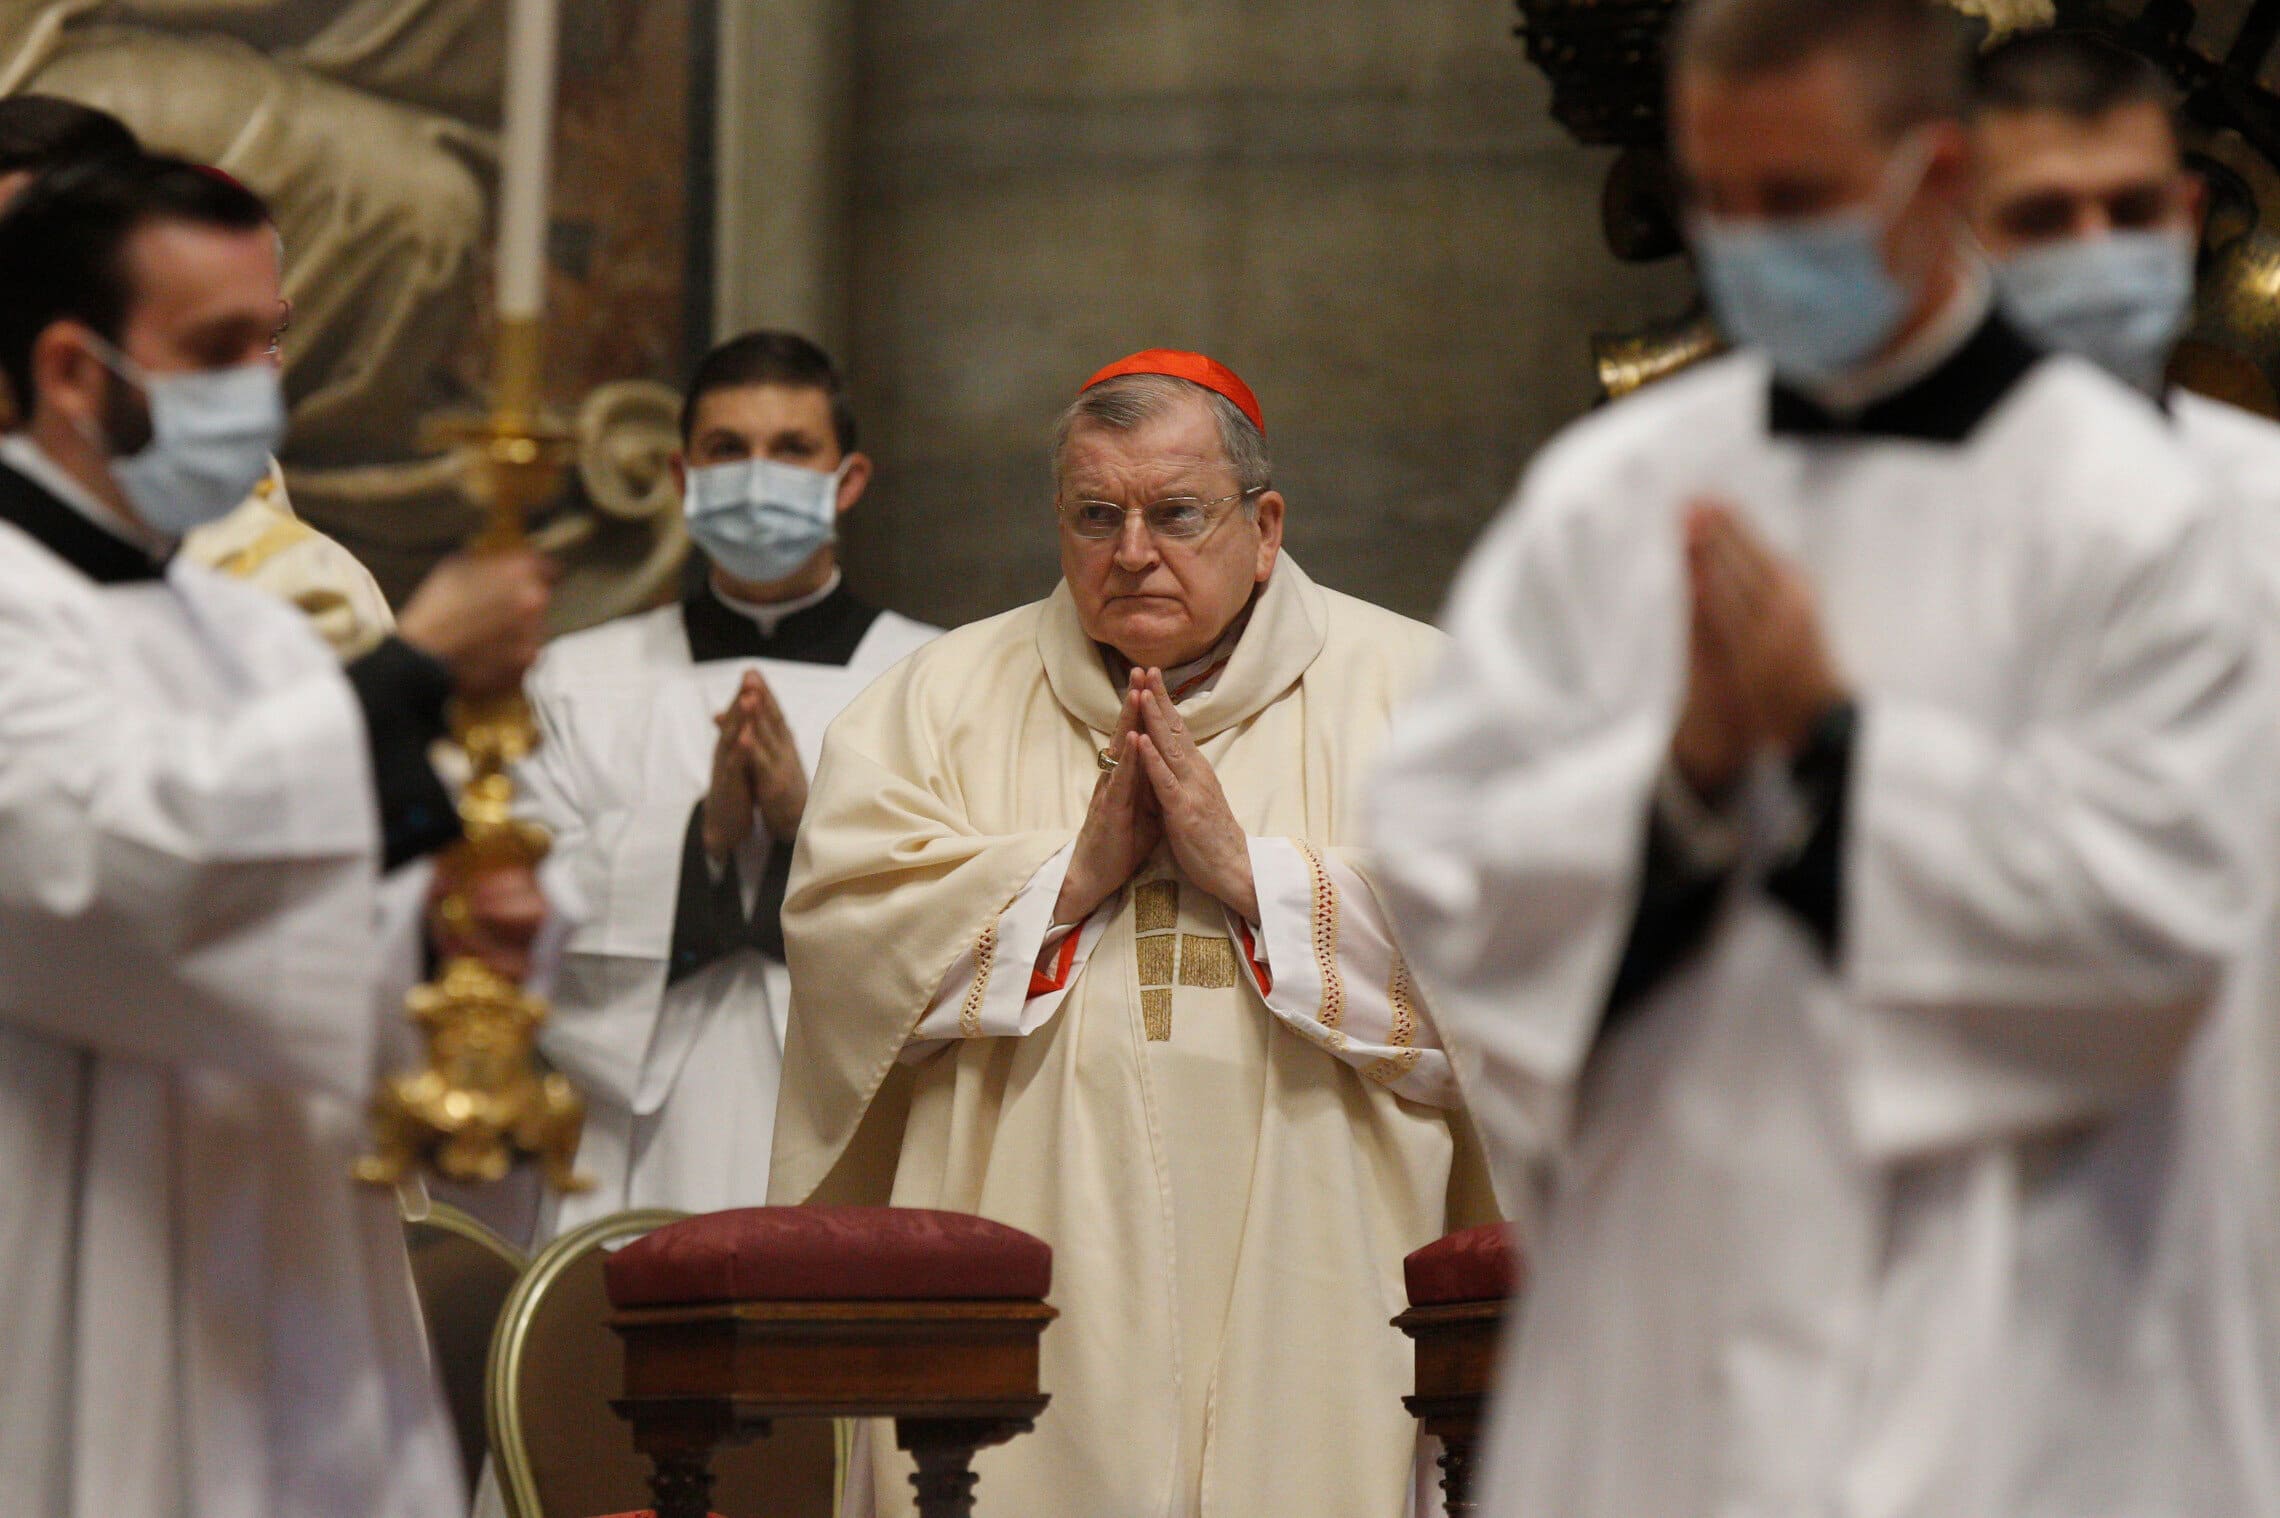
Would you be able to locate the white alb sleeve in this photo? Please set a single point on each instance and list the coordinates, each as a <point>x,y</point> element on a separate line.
<point>1033,962</point>
<point>1324,960</point>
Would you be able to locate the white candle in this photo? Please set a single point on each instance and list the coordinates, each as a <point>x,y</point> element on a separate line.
<point>526,161</point>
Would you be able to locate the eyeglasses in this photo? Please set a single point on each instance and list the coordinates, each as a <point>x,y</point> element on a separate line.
<point>1175,519</point>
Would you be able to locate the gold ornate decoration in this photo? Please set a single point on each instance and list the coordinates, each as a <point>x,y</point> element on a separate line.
<point>1629,361</point>
<point>2232,351</point>
<point>480,1104</point>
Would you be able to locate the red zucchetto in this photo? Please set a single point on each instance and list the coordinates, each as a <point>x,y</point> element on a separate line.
<point>1196,369</point>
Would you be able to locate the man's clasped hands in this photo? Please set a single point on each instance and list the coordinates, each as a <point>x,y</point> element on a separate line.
<point>1156,787</point>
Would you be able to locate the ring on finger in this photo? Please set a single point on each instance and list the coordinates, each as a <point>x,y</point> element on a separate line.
<point>1107,761</point>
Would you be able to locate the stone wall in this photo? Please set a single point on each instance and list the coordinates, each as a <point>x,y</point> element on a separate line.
<point>1361,205</point>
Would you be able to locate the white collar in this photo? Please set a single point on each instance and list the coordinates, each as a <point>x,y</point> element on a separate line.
<point>771,614</point>
<point>27,458</point>
<point>1948,330</point>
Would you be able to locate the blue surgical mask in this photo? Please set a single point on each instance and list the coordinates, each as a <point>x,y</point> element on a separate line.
<point>213,433</point>
<point>2120,301</point>
<point>761,520</point>
<point>1812,292</point>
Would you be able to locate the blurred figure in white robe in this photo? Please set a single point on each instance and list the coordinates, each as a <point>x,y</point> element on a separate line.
<point>1827,849</point>
<point>263,540</point>
<point>2082,198</point>
<point>202,1315</point>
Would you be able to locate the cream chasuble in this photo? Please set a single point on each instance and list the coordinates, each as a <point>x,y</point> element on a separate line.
<point>1229,1181</point>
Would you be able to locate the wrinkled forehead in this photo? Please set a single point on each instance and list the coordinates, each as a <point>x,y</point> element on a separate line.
<point>1178,452</point>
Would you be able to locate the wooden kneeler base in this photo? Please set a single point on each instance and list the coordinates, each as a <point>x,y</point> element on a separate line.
<point>1456,1365</point>
<point>956,1376</point>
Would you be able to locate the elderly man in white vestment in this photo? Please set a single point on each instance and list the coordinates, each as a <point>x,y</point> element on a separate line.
<point>1080,941</point>
<point>1824,849</point>
<point>199,1314</point>
<point>674,774</point>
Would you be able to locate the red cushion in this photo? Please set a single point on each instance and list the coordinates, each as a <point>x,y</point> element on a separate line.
<point>828,1254</point>
<point>1475,1265</point>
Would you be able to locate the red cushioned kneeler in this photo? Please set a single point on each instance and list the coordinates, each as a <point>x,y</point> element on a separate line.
<point>734,1319</point>
<point>1476,1265</point>
<point>829,1254</point>
<point>1458,1288</point>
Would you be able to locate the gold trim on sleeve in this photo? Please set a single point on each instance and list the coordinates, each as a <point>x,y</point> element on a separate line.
<point>1393,1067</point>
<point>1401,993</point>
<point>1326,939</point>
<point>985,958</point>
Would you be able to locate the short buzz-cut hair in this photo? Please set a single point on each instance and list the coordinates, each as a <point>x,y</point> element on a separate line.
<point>41,132</point>
<point>63,246</point>
<point>1914,55</point>
<point>1132,400</point>
<point>2071,72</point>
<point>770,358</point>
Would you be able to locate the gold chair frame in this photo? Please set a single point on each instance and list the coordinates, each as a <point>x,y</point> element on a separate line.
<point>502,1381</point>
<point>457,1220</point>
<point>510,1456</point>
<point>418,1210</point>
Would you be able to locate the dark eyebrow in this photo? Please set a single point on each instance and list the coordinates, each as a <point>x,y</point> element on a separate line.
<point>226,335</point>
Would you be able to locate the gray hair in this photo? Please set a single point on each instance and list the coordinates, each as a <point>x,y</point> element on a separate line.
<point>1132,400</point>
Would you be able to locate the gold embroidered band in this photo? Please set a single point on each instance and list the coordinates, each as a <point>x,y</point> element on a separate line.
<point>1206,963</point>
<point>985,956</point>
<point>1326,939</point>
<point>1156,906</point>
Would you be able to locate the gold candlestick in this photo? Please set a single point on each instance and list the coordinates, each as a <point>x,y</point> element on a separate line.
<point>480,1104</point>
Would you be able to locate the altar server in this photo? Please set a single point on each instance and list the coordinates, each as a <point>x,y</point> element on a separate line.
<point>1848,794</point>
<point>200,1315</point>
<point>674,774</point>
<point>263,540</point>
<point>2082,197</point>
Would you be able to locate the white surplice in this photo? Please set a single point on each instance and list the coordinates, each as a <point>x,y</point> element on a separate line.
<point>202,1316</point>
<point>679,1080</point>
<point>1950,1227</point>
<point>2242,451</point>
